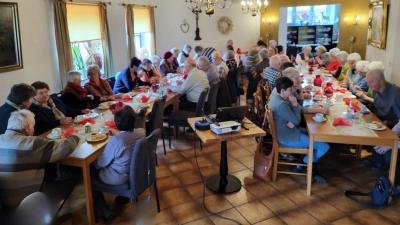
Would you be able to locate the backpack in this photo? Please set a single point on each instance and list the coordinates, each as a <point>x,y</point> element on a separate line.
<point>380,195</point>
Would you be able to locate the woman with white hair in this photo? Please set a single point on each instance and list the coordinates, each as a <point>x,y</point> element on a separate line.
<point>361,85</point>
<point>221,66</point>
<point>156,60</point>
<point>376,65</point>
<point>74,95</point>
<point>175,53</point>
<point>184,55</point>
<point>230,60</point>
<point>283,58</point>
<point>342,57</point>
<point>334,64</point>
<point>351,75</point>
<point>322,59</point>
<point>305,56</point>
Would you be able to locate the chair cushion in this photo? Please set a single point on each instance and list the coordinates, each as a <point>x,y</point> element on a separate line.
<point>180,116</point>
<point>103,187</point>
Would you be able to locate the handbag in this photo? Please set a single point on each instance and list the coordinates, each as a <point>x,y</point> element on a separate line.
<point>380,195</point>
<point>263,163</point>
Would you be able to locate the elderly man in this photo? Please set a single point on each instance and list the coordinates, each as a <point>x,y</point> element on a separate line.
<point>272,72</point>
<point>305,56</point>
<point>207,52</point>
<point>23,157</point>
<point>217,61</point>
<point>184,54</point>
<point>192,87</point>
<point>263,54</point>
<point>208,68</point>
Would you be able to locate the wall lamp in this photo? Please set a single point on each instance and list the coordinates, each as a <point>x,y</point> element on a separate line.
<point>355,22</point>
<point>352,39</point>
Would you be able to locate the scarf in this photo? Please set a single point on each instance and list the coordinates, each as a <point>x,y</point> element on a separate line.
<point>103,88</point>
<point>57,113</point>
<point>76,89</point>
<point>13,104</point>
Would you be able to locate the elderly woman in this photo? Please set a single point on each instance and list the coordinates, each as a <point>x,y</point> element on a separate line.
<point>361,85</point>
<point>342,57</point>
<point>217,61</point>
<point>284,58</point>
<point>50,112</point>
<point>167,65</point>
<point>98,87</point>
<point>146,73</point>
<point>184,55</point>
<point>351,75</point>
<point>209,69</point>
<point>74,95</point>
<point>230,60</point>
<point>156,60</point>
<point>305,56</point>
<point>334,64</point>
<point>20,97</point>
<point>113,165</point>
<point>322,59</point>
<point>175,53</point>
<point>263,54</point>
<point>272,51</point>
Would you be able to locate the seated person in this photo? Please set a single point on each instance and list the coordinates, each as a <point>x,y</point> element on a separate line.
<point>98,87</point>
<point>217,61</point>
<point>156,60</point>
<point>20,97</point>
<point>175,53</point>
<point>207,52</point>
<point>128,79</point>
<point>305,57</point>
<point>280,50</point>
<point>334,63</point>
<point>74,95</point>
<point>322,59</point>
<point>50,111</point>
<point>113,165</point>
<point>184,54</point>
<point>283,58</point>
<point>287,116</point>
<point>361,85</point>
<point>351,74</point>
<point>272,51</point>
<point>263,54</point>
<point>208,68</point>
<point>192,87</point>
<point>167,65</point>
<point>23,167</point>
<point>272,72</point>
<point>342,57</point>
<point>272,43</point>
<point>230,60</point>
<point>147,74</point>
<point>386,97</point>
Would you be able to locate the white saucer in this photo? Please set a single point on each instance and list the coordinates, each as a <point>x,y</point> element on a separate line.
<point>103,107</point>
<point>318,120</point>
<point>50,136</point>
<point>371,126</point>
<point>328,75</point>
<point>351,96</point>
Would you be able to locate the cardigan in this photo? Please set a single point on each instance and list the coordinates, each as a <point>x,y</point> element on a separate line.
<point>124,82</point>
<point>5,113</point>
<point>45,119</point>
<point>22,160</point>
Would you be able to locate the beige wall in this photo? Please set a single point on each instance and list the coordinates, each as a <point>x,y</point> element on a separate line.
<point>349,9</point>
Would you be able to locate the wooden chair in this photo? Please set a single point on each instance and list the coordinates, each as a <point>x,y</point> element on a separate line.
<point>281,149</point>
<point>259,102</point>
<point>267,91</point>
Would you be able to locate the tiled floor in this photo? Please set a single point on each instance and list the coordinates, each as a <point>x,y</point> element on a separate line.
<point>285,201</point>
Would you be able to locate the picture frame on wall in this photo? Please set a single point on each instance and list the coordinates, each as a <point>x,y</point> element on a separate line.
<point>377,24</point>
<point>10,41</point>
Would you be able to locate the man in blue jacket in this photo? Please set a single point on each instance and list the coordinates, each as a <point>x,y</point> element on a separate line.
<point>127,79</point>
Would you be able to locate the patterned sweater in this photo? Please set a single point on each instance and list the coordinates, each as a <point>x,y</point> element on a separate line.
<point>22,160</point>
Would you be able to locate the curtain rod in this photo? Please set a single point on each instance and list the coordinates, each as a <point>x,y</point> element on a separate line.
<point>89,2</point>
<point>123,4</point>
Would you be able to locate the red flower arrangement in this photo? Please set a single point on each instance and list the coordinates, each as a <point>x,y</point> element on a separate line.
<point>310,70</point>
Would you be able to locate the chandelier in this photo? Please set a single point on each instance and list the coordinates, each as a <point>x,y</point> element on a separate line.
<point>252,7</point>
<point>196,5</point>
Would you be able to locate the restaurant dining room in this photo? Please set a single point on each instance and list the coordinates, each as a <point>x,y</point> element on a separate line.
<point>199,112</point>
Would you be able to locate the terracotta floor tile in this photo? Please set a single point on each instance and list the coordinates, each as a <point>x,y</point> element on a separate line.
<point>202,161</point>
<point>354,175</point>
<point>324,212</point>
<point>162,171</point>
<point>239,198</point>
<point>197,189</point>
<point>209,171</point>
<point>344,204</point>
<point>246,141</point>
<point>232,145</point>
<point>245,176</point>
<point>324,190</point>
<point>215,203</point>
<point>299,217</point>
<point>341,183</point>
<point>215,147</point>
<point>370,217</point>
<point>279,204</point>
<point>187,212</point>
<point>231,214</point>
<point>168,183</point>
<point>203,221</point>
<point>189,177</point>
<point>247,161</point>
<point>180,167</point>
<point>189,153</point>
<point>161,218</point>
<point>272,221</point>
<point>235,166</point>
<point>171,157</point>
<point>251,148</point>
<point>216,157</point>
<point>175,196</point>
<point>239,152</point>
<point>255,212</point>
<point>299,196</point>
<point>283,183</point>
<point>261,189</point>
<point>392,212</point>
<point>346,220</point>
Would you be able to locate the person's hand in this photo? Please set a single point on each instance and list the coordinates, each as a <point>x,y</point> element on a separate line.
<point>307,96</point>
<point>113,131</point>
<point>179,82</point>
<point>382,149</point>
<point>343,85</point>
<point>112,98</point>
<point>86,111</point>
<point>293,100</point>
<point>309,87</point>
<point>360,94</point>
<point>66,120</point>
<point>324,111</point>
<point>290,125</point>
<point>91,97</point>
<point>180,70</point>
<point>357,88</point>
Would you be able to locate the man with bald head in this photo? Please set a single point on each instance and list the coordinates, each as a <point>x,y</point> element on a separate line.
<point>272,72</point>
<point>192,87</point>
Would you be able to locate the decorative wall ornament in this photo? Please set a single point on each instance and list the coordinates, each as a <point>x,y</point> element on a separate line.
<point>377,23</point>
<point>185,26</point>
<point>225,25</point>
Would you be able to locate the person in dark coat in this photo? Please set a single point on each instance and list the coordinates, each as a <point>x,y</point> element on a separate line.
<point>127,79</point>
<point>20,97</point>
<point>50,112</point>
<point>74,95</point>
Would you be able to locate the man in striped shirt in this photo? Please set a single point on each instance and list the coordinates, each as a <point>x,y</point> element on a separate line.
<point>23,158</point>
<point>207,52</point>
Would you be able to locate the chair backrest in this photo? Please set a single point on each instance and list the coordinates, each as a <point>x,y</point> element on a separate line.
<point>272,128</point>
<point>111,81</point>
<point>152,140</point>
<point>138,174</point>
<point>267,91</point>
<point>139,122</point>
<point>212,98</point>
<point>259,102</point>
<point>201,103</point>
<point>156,116</point>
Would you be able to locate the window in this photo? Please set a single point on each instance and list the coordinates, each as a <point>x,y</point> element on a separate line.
<point>85,36</point>
<point>142,31</point>
<point>311,15</point>
<point>290,15</point>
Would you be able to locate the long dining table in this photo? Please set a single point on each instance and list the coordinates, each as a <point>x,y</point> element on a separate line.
<point>86,153</point>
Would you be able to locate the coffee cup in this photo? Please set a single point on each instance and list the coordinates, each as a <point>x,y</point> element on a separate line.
<point>343,115</point>
<point>78,118</point>
<point>317,97</point>
<point>327,105</point>
<point>348,94</point>
<point>339,97</point>
<point>310,80</point>
<point>335,84</point>
<point>319,117</point>
<point>315,105</point>
<point>56,132</point>
<point>104,130</point>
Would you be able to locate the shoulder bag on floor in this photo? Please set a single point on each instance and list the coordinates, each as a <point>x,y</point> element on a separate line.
<point>263,163</point>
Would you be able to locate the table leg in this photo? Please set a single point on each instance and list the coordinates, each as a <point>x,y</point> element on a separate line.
<point>88,193</point>
<point>358,151</point>
<point>176,103</point>
<point>310,164</point>
<point>223,182</point>
<point>393,161</point>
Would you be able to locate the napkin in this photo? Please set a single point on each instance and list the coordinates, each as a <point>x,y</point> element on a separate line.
<point>340,122</point>
<point>185,75</point>
<point>111,124</point>
<point>68,132</point>
<point>87,120</point>
<point>142,90</point>
<point>126,98</point>
<point>145,98</point>
<point>341,90</point>
<point>347,100</point>
<point>115,107</point>
<point>169,90</point>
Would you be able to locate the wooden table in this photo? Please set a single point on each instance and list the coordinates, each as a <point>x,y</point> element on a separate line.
<point>323,132</point>
<point>223,182</point>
